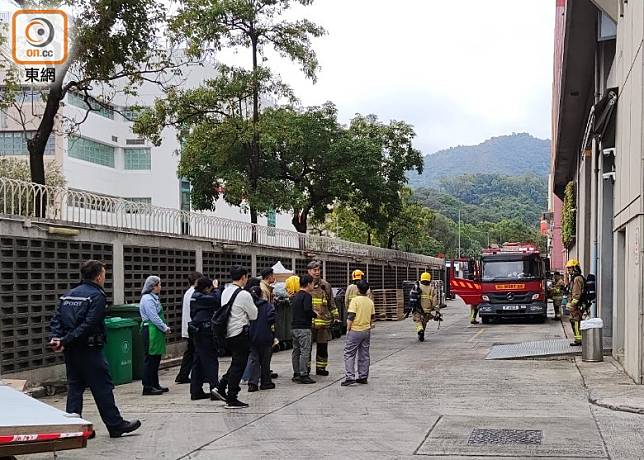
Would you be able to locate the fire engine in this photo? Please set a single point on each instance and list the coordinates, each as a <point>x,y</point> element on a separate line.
<point>507,281</point>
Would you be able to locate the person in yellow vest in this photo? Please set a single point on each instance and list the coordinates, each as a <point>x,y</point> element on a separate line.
<point>352,290</point>
<point>426,305</point>
<point>576,303</point>
<point>326,314</point>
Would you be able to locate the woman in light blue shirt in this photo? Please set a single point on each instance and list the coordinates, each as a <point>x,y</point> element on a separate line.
<point>154,330</point>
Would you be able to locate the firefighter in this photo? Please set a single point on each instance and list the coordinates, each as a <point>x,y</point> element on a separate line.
<point>326,314</point>
<point>576,302</point>
<point>352,289</point>
<point>556,294</point>
<point>424,299</point>
<point>474,311</point>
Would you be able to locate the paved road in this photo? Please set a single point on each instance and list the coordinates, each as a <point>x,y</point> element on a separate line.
<point>438,399</point>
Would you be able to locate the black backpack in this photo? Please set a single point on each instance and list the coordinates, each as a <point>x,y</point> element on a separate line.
<point>221,316</point>
<point>590,288</point>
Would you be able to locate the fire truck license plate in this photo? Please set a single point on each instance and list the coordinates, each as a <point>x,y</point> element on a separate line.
<point>510,307</point>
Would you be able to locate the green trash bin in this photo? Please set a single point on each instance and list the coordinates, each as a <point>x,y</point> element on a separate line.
<point>118,348</point>
<point>131,311</point>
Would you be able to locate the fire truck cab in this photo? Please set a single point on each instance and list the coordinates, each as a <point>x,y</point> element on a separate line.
<point>509,281</point>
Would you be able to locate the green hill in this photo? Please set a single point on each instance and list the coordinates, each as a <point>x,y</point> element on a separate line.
<point>512,155</point>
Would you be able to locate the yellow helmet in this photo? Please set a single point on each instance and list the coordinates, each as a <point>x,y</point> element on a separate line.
<point>425,276</point>
<point>572,263</point>
<point>357,275</point>
<point>292,284</point>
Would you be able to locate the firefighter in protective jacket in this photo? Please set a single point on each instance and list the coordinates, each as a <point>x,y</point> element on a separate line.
<point>352,289</point>
<point>326,314</point>
<point>576,302</point>
<point>424,300</point>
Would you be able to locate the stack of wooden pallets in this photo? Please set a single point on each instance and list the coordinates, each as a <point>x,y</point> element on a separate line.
<point>389,304</point>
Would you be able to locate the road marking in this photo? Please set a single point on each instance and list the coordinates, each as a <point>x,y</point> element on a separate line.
<point>475,336</point>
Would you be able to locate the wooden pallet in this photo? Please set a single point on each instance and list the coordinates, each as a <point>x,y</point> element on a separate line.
<point>389,304</point>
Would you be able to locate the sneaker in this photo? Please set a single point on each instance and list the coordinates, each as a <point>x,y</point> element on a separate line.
<point>474,321</point>
<point>363,381</point>
<point>235,404</point>
<point>199,396</point>
<point>305,380</point>
<point>181,381</point>
<point>218,394</point>
<point>575,344</point>
<point>348,382</point>
<point>163,389</point>
<point>321,372</point>
<point>125,427</point>
<point>268,386</point>
<point>252,388</point>
<point>421,336</point>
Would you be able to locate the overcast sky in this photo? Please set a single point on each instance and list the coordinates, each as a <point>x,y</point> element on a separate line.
<point>460,71</point>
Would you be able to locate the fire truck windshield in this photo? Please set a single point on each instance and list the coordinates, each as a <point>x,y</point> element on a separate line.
<point>502,270</point>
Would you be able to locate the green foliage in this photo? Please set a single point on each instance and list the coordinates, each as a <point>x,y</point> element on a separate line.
<point>18,168</point>
<point>513,155</point>
<point>569,215</point>
<point>488,198</point>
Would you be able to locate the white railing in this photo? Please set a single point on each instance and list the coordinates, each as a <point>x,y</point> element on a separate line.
<point>65,206</point>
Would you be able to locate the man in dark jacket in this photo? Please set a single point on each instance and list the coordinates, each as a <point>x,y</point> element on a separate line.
<point>261,343</point>
<point>78,330</point>
<point>303,315</point>
<point>205,364</point>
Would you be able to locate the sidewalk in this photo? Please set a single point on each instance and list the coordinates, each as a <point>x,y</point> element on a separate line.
<point>438,399</point>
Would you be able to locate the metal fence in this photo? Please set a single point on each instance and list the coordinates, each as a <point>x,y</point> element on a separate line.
<point>65,206</point>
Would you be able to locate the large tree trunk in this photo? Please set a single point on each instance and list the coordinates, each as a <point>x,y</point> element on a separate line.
<point>36,145</point>
<point>390,241</point>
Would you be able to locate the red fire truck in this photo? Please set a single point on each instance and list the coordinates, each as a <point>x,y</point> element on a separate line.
<point>507,281</point>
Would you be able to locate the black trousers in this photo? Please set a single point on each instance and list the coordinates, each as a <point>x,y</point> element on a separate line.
<point>150,363</point>
<point>88,368</point>
<point>186,361</point>
<point>205,365</point>
<point>260,364</point>
<point>239,347</point>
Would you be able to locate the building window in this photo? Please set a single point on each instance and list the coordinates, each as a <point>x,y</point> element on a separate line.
<point>185,195</point>
<point>78,101</point>
<point>132,113</point>
<point>15,143</point>
<point>94,152</point>
<point>139,159</point>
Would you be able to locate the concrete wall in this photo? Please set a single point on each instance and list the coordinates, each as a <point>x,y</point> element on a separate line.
<point>36,268</point>
<point>628,209</point>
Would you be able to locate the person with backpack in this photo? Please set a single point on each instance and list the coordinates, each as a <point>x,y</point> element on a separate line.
<point>205,364</point>
<point>154,330</point>
<point>78,331</point>
<point>186,362</point>
<point>261,341</point>
<point>577,303</point>
<point>232,321</point>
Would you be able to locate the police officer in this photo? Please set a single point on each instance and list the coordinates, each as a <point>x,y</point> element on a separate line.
<point>425,300</point>
<point>576,302</point>
<point>327,313</point>
<point>77,330</point>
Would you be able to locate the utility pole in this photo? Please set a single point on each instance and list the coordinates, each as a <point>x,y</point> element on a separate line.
<point>459,233</point>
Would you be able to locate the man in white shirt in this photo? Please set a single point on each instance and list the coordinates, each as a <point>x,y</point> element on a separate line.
<point>243,311</point>
<point>186,362</point>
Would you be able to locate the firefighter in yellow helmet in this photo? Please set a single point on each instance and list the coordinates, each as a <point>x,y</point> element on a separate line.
<point>326,314</point>
<point>576,303</point>
<point>352,289</point>
<point>424,298</point>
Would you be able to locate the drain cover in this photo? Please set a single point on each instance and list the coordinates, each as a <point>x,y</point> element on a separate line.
<point>487,436</point>
<point>539,348</point>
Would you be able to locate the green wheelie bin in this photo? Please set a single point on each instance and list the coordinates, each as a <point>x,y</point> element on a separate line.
<point>118,348</point>
<point>131,311</point>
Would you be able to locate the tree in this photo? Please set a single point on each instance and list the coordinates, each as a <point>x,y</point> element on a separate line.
<point>116,48</point>
<point>254,25</point>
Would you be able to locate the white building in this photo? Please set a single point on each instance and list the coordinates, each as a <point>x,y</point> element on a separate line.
<point>104,155</point>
